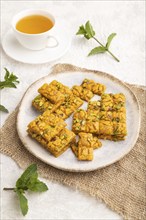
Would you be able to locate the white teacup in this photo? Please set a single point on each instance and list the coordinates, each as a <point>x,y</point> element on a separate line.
<point>35,41</point>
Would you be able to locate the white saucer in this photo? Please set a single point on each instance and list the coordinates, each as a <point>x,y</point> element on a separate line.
<point>16,51</point>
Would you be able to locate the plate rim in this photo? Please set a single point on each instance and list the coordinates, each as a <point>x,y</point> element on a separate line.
<point>107,75</point>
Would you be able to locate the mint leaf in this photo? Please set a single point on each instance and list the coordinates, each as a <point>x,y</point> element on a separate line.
<point>33,178</point>
<point>38,186</point>
<point>3,109</point>
<point>10,80</point>
<point>10,76</point>
<point>81,31</point>
<point>97,50</point>
<point>109,40</point>
<point>89,30</point>
<point>26,176</point>
<point>6,84</point>
<point>23,202</point>
<point>32,181</point>
<point>6,74</point>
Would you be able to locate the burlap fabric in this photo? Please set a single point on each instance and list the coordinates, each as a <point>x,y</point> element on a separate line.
<point>121,185</point>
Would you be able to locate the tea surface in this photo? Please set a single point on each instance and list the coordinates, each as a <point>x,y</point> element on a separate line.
<point>34,24</point>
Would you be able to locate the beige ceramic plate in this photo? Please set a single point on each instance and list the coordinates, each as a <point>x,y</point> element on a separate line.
<point>106,155</point>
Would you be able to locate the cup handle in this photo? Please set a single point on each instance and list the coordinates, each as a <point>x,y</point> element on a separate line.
<point>52,42</point>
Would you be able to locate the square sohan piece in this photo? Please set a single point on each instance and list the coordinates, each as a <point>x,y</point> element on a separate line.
<point>119,116</point>
<point>119,129</point>
<point>94,87</point>
<point>92,123</point>
<point>119,98</point>
<point>94,106</point>
<point>51,93</point>
<point>70,104</point>
<point>82,93</point>
<point>42,104</point>
<point>113,102</point>
<point>65,90</point>
<point>61,142</point>
<point>106,115</point>
<point>79,121</point>
<point>88,140</point>
<point>105,127</point>
<point>106,102</point>
<point>119,101</point>
<point>38,138</point>
<point>116,132</point>
<point>85,122</point>
<point>85,153</point>
<point>119,132</point>
<point>47,125</point>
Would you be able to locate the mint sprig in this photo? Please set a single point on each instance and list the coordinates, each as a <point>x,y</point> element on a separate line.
<point>10,80</point>
<point>88,32</point>
<point>28,181</point>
